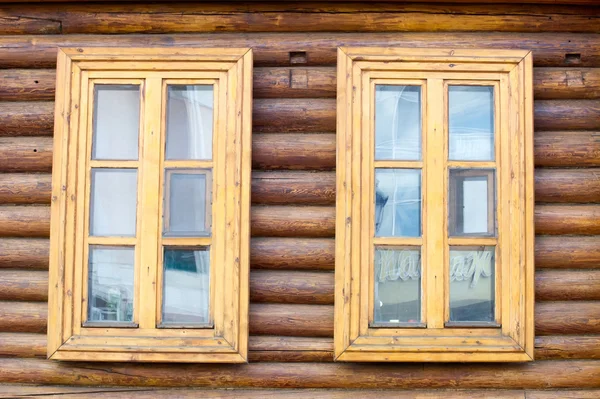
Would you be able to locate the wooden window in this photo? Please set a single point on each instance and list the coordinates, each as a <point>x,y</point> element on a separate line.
<point>149,255</point>
<point>434,235</point>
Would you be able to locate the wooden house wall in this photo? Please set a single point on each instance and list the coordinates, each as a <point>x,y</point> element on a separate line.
<point>293,189</point>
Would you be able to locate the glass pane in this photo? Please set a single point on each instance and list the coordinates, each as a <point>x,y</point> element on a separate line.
<point>116,122</point>
<point>397,202</point>
<point>472,203</point>
<point>113,202</point>
<point>111,283</point>
<point>397,285</point>
<point>397,122</point>
<point>186,294</point>
<point>472,284</point>
<point>189,122</point>
<point>471,120</point>
<point>188,202</point>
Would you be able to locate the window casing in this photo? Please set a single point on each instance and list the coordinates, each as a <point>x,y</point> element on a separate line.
<point>149,254</point>
<point>434,234</point>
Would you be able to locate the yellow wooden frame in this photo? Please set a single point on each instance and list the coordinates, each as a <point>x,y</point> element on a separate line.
<point>226,339</point>
<point>511,337</point>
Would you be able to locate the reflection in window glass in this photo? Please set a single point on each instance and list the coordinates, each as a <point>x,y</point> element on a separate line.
<point>186,295</point>
<point>189,122</point>
<point>471,123</point>
<point>110,283</point>
<point>188,202</point>
<point>472,297</point>
<point>397,122</point>
<point>472,202</point>
<point>113,202</point>
<point>116,122</point>
<point>397,202</point>
<point>397,285</point>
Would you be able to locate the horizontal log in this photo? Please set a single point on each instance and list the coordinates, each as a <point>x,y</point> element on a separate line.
<point>23,188</point>
<point>567,114</point>
<point>28,253</point>
<point>567,347</point>
<point>293,151</point>
<point>576,148</point>
<point>26,118</point>
<point>23,285</point>
<point>312,82</point>
<point>567,185</point>
<point>291,320</point>
<point>567,252</point>
<point>24,221</point>
<point>568,83</point>
<point>578,374</point>
<point>560,285</point>
<point>567,219</point>
<point>30,317</point>
<point>23,344</point>
<point>292,253</point>
<point>315,115</point>
<point>288,188</point>
<point>315,288</point>
<point>567,318</point>
<point>549,49</point>
<point>196,18</point>
<point>292,221</point>
<point>26,154</point>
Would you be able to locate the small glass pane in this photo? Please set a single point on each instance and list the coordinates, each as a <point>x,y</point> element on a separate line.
<point>472,297</point>
<point>110,282</point>
<point>116,122</point>
<point>188,202</point>
<point>186,296</point>
<point>471,122</point>
<point>397,202</point>
<point>472,203</point>
<point>113,202</point>
<point>397,285</point>
<point>397,122</point>
<point>189,122</point>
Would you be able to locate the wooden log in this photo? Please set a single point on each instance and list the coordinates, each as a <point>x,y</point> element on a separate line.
<point>313,82</point>
<point>315,115</point>
<point>549,49</point>
<point>315,288</point>
<point>568,83</point>
<point>560,285</point>
<point>28,85</point>
<point>292,221</point>
<point>534,375</point>
<point>26,154</point>
<point>26,118</point>
<point>30,253</point>
<point>290,349</point>
<point>288,188</point>
<point>22,188</point>
<point>567,347</point>
<point>23,285</point>
<point>567,318</point>
<point>24,221</point>
<point>23,345</point>
<point>567,219</point>
<point>28,317</point>
<point>567,148</point>
<point>567,114</point>
<point>567,185</point>
<point>193,18</point>
<point>567,252</point>
<point>292,253</point>
<point>293,151</point>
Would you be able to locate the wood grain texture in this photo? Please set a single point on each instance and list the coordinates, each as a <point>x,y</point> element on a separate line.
<point>561,285</point>
<point>567,185</point>
<point>26,118</point>
<point>29,317</point>
<point>22,345</point>
<point>567,114</point>
<point>296,82</point>
<point>292,221</point>
<point>26,154</point>
<point>571,83</point>
<point>315,115</point>
<point>578,374</point>
<point>563,149</point>
<point>191,18</point>
<point>24,253</point>
<point>567,318</point>
<point>293,151</point>
<point>24,221</point>
<point>567,252</point>
<point>23,285</point>
<point>22,188</point>
<point>567,347</point>
<point>567,219</point>
<point>549,49</point>
<point>289,187</point>
<point>269,286</point>
<point>292,253</point>
<point>28,85</point>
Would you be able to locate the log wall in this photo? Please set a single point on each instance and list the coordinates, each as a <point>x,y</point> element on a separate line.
<point>293,191</point>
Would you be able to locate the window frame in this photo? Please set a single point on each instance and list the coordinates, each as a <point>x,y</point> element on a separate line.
<point>359,69</point>
<point>226,340</point>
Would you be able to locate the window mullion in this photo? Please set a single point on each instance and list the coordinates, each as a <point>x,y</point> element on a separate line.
<point>148,209</point>
<point>435,199</point>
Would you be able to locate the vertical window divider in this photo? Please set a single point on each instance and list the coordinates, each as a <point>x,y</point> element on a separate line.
<point>150,181</point>
<point>435,204</point>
